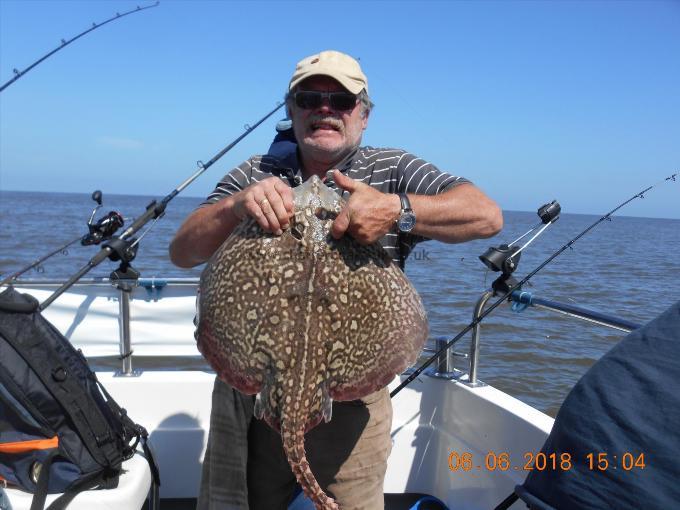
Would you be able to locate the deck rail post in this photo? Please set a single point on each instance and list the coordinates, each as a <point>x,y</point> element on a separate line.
<point>474,344</point>
<point>125,289</point>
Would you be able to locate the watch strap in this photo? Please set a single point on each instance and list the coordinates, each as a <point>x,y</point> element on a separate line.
<point>405,202</point>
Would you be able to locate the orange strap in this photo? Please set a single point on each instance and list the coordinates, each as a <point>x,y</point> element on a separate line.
<point>29,446</point>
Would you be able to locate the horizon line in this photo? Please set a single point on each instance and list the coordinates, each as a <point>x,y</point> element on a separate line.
<point>203,197</point>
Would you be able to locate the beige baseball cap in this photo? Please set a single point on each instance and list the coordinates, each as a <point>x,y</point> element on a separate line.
<point>335,64</point>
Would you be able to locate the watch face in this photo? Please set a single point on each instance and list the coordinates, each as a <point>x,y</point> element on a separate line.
<point>406,222</point>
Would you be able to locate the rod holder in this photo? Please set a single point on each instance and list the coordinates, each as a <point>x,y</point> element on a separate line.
<point>125,289</point>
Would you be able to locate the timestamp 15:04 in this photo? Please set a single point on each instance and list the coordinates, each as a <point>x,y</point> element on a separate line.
<point>540,461</point>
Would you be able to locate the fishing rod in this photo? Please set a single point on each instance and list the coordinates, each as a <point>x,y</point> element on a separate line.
<point>39,261</point>
<point>100,231</point>
<point>507,285</point>
<point>18,74</point>
<point>124,246</point>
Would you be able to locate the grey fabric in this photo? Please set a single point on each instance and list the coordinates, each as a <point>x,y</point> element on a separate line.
<point>223,481</point>
<point>624,414</point>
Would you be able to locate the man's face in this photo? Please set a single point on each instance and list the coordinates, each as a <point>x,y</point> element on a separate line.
<point>324,133</point>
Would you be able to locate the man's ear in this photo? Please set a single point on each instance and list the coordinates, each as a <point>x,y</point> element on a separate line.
<point>364,118</point>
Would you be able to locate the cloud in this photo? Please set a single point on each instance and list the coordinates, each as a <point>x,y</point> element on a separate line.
<point>119,143</point>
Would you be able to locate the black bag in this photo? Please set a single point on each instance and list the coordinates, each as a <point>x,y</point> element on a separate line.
<point>60,431</point>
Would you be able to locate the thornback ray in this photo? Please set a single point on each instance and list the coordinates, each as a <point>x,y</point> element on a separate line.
<point>303,319</point>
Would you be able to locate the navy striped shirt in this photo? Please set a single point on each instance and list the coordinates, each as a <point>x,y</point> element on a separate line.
<point>386,170</point>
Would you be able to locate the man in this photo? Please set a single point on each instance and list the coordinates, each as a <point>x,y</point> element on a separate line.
<point>392,197</point>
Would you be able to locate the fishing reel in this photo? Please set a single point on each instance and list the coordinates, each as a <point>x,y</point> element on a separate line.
<point>105,227</point>
<point>505,257</point>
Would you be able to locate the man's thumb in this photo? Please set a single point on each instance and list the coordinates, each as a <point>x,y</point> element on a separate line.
<point>346,183</point>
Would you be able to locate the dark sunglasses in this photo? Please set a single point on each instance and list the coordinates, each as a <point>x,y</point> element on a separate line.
<point>311,99</point>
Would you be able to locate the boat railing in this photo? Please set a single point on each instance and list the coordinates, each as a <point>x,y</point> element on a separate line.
<point>523,299</point>
<point>104,281</point>
<point>124,288</point>
<point>443,368</point>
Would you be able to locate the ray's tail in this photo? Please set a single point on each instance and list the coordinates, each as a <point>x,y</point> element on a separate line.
<point>293,436</point>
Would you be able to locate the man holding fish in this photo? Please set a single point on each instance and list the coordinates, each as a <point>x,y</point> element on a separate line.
<point>392,198</point>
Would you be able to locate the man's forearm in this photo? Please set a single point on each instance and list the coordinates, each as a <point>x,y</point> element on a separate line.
<point>459,214</point>
<point>202,233</point>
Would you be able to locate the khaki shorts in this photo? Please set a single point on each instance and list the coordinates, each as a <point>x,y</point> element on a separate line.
<point>348,455</point>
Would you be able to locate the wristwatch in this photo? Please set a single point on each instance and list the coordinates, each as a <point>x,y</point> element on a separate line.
<point>407,218</point>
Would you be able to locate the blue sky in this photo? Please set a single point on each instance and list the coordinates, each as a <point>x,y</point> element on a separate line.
<point>533,101</point>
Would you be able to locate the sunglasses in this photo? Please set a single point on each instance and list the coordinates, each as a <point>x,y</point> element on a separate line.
<point>311,99</point>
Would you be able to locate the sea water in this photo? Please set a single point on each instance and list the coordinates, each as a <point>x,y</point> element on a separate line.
<point>627,267</point>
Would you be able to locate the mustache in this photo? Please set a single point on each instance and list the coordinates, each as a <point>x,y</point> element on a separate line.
<point>329,120</point>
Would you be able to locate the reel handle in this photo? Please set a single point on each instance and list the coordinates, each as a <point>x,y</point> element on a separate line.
<point>97,197</point>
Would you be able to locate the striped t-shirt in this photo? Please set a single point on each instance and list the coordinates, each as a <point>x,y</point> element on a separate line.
<point>386,170</point>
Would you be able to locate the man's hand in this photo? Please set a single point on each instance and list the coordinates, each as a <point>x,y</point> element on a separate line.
<point>368,214</point>
<point>269,202</point>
